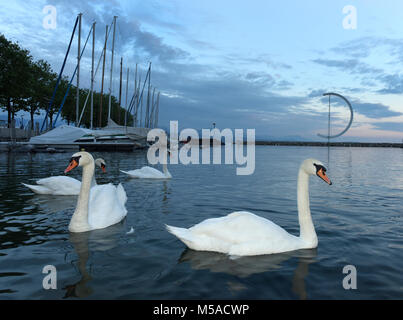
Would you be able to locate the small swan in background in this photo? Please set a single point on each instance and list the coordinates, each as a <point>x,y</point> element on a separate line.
<point>62,185</point>
<point>246,234</point>
<point>150,173</point>
<point>100,206</point>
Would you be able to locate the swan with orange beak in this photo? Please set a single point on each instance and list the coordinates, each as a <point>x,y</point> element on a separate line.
<point>243,233</point>
<point>97,207</point>
<point>63,185</point>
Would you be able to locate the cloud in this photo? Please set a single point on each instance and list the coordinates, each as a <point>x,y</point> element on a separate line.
<point>260,59</point>
<point>230,100</point>
<point>368,109</point>
<point>352,66</point>
<point>150,43</point>
<point>357,48</point>
<point>207,85</point>
<point>389,126</point>
<point>363,47</point>
<point>370,76</point>
<point>374,110</point>
<point>393,82</point>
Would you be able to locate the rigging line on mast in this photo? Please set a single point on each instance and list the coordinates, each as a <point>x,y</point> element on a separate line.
<point>68,87</point>
<point>60,75</point>
<point>134,96</point>
<point>111,70</point>
<point>95,74</point>
<point>142,91</point>
<point>102,53</point>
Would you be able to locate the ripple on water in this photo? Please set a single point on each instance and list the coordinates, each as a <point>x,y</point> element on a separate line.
<point>358,222</point>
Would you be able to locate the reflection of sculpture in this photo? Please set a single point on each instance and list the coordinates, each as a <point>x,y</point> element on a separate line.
<point>97,240</point>
<point>246,266</point>
<point>349,123</point>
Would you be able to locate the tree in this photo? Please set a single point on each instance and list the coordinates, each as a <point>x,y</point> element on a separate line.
<point>28,85</point>
<point>69,102</point>
<point>14,78</point>
<point>41,81</point>
<point>69,109</point>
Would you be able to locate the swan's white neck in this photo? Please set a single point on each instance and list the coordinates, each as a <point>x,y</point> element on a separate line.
<point>307,229</point>
<point>79,220</point>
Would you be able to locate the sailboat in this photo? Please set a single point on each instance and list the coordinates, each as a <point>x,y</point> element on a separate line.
<point>112,137</point>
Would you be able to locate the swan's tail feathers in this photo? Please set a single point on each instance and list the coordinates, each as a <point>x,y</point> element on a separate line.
<point>122,196</point>
<point>182,234</point>
<point>37,189</point>
<point>124,171</point>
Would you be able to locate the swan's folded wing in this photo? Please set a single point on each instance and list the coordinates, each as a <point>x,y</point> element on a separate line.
<point>149,172</point>
<point>121,194</point>
<point>61,185</point>
<point>105,206</point>
<point>128,172</point>
<point>145,173</point>
<point>38,189</point>
<point>240,231</point>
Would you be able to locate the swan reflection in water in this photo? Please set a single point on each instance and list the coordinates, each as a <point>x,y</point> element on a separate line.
<point>53,204</point>
<point>84,244</point>
<point>248,265</point>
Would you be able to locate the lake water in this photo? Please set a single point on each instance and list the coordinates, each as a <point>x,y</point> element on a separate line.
<point>358,221</point>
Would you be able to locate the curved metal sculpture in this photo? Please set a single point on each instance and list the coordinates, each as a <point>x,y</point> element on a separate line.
<point>349,123</point>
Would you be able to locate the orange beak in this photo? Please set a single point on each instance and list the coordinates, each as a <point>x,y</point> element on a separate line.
<point>71,166</point>
<point>321,174</point>
<point>103,168</point>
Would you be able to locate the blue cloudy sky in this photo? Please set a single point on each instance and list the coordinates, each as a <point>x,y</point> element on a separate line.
<point>242,64</point>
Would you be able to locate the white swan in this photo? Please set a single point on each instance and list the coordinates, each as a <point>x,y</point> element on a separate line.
<point>100,206</point>
<point>150,173</point>
<point>245,234</point>
<point>62,185</point>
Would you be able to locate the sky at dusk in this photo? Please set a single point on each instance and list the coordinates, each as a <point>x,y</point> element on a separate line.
<point>240,64</point>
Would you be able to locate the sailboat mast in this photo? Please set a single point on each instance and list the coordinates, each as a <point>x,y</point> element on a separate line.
<point>141,105</point>
<point>138,120</point>
<point>136,101</point>
<point>92,76</point>
<point>110,83</point>
<point>152,110</point>
<point>127,88</point>
<point>148,98</point>
<point>156,111</point>
<point>103,74</point>
<point>120,89</point>
<point>78,67</point>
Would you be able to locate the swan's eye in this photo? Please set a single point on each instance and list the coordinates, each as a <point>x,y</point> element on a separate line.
<point>319,167</point>
<point>77,159</point>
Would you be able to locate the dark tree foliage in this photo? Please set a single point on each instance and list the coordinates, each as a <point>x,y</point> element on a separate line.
<point>15,75</point>
<point>27,85</point>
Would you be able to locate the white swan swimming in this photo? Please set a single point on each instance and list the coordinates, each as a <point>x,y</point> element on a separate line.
<point>100,206</point>
<point>150,173</point>
<point>246,234</point>
<point>62,185</point>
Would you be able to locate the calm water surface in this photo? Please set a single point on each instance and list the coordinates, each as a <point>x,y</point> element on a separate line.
<point>358,221</point>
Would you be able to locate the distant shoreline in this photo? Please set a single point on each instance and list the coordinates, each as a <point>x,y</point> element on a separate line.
<point>313,143</point>
<point>331,144</point>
